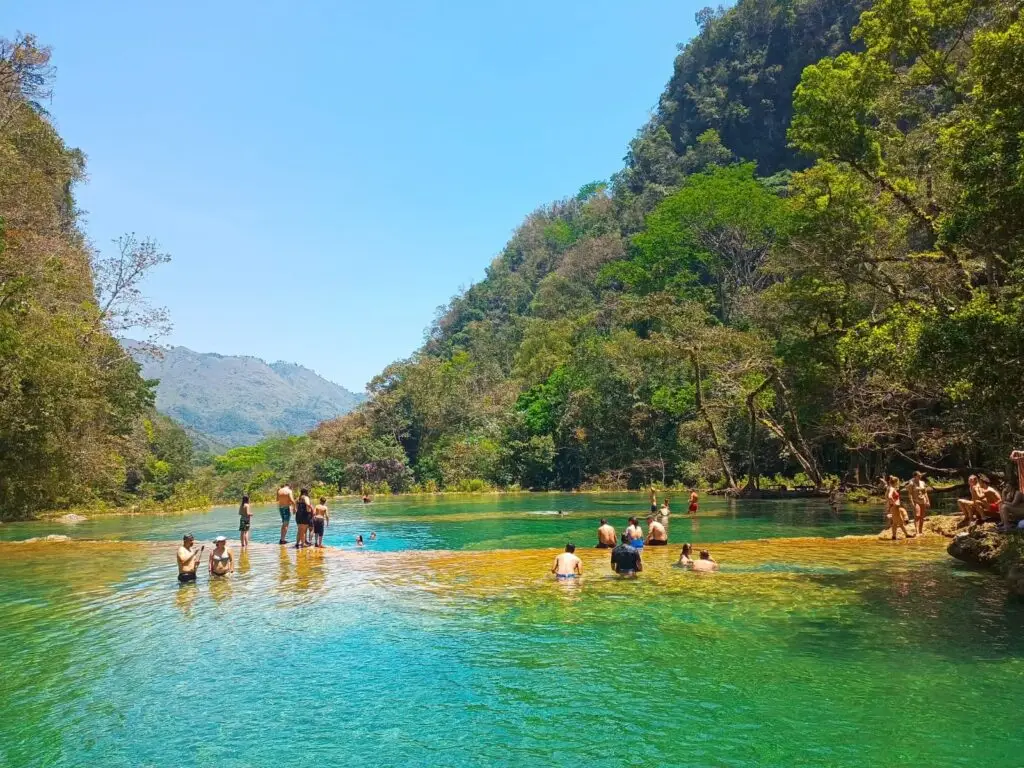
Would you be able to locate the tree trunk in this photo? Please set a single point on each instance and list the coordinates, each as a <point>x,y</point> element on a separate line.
<point>752,412</point>
<point>807,460</point>
<point>703,411</point>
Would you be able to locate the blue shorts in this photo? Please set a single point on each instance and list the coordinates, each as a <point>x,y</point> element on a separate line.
<point>637,543</point>
<point>286,514</point>
<point>565,575</point>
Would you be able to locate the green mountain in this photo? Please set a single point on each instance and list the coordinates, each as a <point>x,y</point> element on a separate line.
<point>236,400</point>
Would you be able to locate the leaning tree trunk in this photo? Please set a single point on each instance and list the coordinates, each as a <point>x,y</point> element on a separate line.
<point>752,413</point>
<point>702,409</point>
<point>805,457</point>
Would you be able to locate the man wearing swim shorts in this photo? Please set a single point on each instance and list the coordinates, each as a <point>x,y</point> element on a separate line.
<point>285,505</point>
<point>605,536</point>
<point>991,499</point>
<point>694,498</point>
<point>567,565</point>
<point>188,559</point>
<point>626,559</point>
<point>657,536</point>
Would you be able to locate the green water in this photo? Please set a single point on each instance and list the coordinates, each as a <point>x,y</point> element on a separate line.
<point>432,650</point>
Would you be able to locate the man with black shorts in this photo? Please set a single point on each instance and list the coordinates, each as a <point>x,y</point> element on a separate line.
<point>188,559</point>
<point>285,505</point>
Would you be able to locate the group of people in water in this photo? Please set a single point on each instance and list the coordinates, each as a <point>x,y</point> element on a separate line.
<point>626,555</point>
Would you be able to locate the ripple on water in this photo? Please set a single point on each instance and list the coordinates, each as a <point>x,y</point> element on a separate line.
<point>798,652</point>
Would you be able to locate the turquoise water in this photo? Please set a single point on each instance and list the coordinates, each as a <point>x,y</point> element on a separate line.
<point>830,652</point>
<point>482,522</point>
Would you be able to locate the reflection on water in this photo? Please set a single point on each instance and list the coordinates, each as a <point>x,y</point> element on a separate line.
<point>797,653</point>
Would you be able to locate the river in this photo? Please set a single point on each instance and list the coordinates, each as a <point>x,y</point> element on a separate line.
<point>445,642</point>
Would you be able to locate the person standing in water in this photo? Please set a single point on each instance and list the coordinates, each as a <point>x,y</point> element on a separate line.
<point>359,540</point>
<point>664,512</point>
<point>895,510</point>
<point>244,521</point>
<point>694,498</point>
<point>222,562</point>
<point>188,559</point>
<point>654,500</point>
<point>567,565</point>
<point>285,505</point>
<point>626,559</point>
<point>657,536</point>
<point>321,519</point>
<point>605,536</point>
<point>303,517</point>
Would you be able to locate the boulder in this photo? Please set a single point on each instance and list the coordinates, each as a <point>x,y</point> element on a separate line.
<point>979,545</point>
<point>71,517</point>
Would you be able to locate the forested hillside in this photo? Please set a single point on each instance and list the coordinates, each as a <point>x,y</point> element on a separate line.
<point>77,424</point>
<point>809,264</point>
<point>232,400</point>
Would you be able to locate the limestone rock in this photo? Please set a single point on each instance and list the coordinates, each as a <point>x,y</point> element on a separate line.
<point>71,517</point>
<point>979,545</point>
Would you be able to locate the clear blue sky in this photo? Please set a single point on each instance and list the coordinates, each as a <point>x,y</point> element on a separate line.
<point>326,174</point>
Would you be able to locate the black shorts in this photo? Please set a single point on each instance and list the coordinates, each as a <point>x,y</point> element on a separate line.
<point>318,526</point>
<point>187,577</point>
<point>303,518</point>
<point>657,543</point>
<point>603,546</point>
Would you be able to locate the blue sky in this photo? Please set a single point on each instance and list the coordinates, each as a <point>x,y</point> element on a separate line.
<point>326,174</point>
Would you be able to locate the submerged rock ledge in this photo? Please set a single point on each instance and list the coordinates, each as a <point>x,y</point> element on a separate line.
<point>983,546</point>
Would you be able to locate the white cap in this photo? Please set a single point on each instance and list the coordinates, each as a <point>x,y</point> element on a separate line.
<point>219,539</point>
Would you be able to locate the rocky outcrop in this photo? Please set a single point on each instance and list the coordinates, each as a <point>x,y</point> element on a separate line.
<point>71,517</point>
<point>980,545</point>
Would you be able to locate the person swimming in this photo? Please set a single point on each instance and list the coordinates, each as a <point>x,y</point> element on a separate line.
<point>567,565</point>
<point>373,535</point>
<point>359,540</point>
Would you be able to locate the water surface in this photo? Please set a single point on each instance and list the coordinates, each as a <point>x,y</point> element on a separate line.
<point>809,652</point>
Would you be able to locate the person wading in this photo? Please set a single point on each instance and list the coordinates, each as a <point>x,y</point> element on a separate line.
<point>188,558</point>
<point>626,559</point>
<point>567,565</point>
<point>605,536</point>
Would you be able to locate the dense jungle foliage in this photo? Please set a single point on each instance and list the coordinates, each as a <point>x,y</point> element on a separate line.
<point>77,426</point>
<point>810,265</point>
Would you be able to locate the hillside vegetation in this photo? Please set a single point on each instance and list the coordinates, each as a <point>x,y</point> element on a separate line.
<point>77,424</point>
<point>231,400</point>
<point>810,264</point>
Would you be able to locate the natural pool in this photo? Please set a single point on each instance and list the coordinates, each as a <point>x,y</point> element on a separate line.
<point>445,643</point>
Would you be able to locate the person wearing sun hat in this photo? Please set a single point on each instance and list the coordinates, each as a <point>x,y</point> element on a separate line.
<point>222,562</point>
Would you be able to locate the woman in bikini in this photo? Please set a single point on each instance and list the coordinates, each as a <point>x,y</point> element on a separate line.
<point>896,512</point>
<point>221,561</point>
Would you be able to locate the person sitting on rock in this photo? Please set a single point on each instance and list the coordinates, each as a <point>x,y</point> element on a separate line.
<point>991,499</point>
<point>971,507</point>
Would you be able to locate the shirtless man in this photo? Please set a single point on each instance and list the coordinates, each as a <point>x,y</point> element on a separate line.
<point>991,499</point>
<point>694,498</point>
<point>188,559</point>
<point>969,507</point>
<point>567,565</point>
<point>705,563</point>
<point>286,506</point>
<point>657,536</point>
<point>605,536</point>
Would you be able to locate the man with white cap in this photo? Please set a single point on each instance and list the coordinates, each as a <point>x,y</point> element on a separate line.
<point>221,561</point>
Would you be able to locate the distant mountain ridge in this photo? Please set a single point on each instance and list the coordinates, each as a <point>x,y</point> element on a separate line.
<point>238,400</point>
